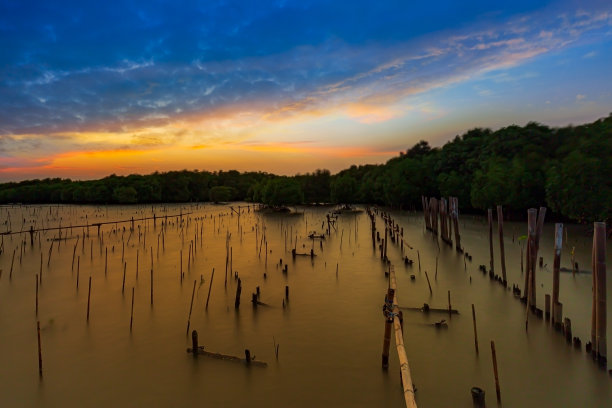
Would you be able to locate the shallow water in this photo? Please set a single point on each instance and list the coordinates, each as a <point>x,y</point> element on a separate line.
<point>329,335</point>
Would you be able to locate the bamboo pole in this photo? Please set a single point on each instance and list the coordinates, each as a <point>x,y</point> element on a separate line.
<point>407,386</point>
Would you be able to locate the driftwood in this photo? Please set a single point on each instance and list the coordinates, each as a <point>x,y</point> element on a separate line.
<point>427,309</point>
<point>201,352</point>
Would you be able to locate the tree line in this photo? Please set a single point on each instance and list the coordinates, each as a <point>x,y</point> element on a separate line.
<point>568,169</point>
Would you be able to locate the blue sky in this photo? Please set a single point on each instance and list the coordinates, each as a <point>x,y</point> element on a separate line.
<point>88,89</point>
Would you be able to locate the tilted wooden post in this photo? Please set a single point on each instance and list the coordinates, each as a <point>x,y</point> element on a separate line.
<point>491,263</point>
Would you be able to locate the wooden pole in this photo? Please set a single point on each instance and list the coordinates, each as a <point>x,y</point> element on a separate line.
<point>450,310</point>
<point>475,332</point>
<point>132,312</point>
<point>556,318</point>
<point>388,327</point>
<point>406,377</point>
<point>428,283</point>
<point>599,270</point>
<point>494,357</point>
<point>500,227</point>
<point>40,367</point>
<point>210,287</point>
<point>88,298</point>
<point>531,261</point>
<point>36,295</point>
<point>191,307</point>
<point>491,263</point>
<point>455,210</point>
<point>151,276</point>
<point>123,284</point>
<point>238,292</point>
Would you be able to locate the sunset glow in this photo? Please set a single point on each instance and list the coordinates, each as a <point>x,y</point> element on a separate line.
<point>283,87</point>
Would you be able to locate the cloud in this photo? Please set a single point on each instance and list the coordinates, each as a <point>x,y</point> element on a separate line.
<point>223,76</point>
<point>580,97</point>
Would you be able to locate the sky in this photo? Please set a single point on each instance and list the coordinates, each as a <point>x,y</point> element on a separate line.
<point>88,88</point>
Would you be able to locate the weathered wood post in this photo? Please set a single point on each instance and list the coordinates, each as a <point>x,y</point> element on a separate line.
<point>491,263</point>
<point>599,290</point>
<point>194,343</point>
<point>238,292</point>
<point>388,326</point>
<point>247,356</point>
<point>455,213</point>
<point>556,315</point>
<point>500,227</point>
<point>531,237</point>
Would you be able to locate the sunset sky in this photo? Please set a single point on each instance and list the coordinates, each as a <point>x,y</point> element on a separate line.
<point>93,88</point>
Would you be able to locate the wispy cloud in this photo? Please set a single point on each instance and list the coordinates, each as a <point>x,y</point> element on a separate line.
<point>226,78</point>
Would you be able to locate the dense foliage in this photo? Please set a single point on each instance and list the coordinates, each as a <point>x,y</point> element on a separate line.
<point>567,169</point>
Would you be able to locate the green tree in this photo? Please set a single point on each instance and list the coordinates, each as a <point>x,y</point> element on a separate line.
<point>219,194</point>
<point>282,191</point>
<point>125,195</point>
<point>344,189</point>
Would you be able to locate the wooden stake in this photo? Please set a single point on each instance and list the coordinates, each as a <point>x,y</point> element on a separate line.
<point>40,367</point>
<point>132,311</point>
<point>191,307</point>
<point>238,292</point>
<point>123,284</point>
<point>151,276</point>
<point>498,392</point>
<point>388,327</point>
<point>428,283</point>
<point>36,295</point>
<point>210,287</point>
<point>500,227</point>
<point>475,332</point>
<point>88,298</point>
<point>450,310</point>
<point>556,267</point>
<point>491,263</point>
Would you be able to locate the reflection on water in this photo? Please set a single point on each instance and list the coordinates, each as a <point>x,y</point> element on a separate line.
<point>329,333</point>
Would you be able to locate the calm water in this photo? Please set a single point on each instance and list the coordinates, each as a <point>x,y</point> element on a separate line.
<point>329,335</point>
